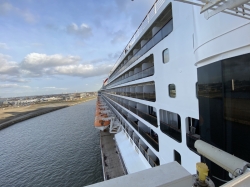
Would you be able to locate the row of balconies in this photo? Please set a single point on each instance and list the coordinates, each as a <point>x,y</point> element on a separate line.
<point>138,109</point>
<point>144,91</point>
<point>148,134</point>
<point>144,45</point>
<point>141,70</point>
<point>170,123</point>
<point>140,145</point>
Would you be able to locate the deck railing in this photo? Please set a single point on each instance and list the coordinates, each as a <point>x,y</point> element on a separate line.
<point>149,139</point>
<point>152,162</point>
<point>154,9</point>
<point>139,75</point>
<point>143,151</point>
<point>149,118</point>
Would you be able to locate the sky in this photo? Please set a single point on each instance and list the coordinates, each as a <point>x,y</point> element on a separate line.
<point>59,46</point>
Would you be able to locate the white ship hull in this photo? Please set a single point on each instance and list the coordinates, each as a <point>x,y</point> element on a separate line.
<point>157,102</point>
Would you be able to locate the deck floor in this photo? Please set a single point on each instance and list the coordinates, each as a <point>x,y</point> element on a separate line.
<point>111,162</point>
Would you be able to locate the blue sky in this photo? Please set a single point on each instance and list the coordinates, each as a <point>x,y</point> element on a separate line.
<point>60,46</point>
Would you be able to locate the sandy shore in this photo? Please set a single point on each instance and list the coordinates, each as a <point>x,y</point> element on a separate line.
<point>12,115</point>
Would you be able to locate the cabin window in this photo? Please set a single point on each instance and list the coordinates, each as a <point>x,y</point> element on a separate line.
<point>177,157</point>
<point>172,90</point>
<point>165,56</point>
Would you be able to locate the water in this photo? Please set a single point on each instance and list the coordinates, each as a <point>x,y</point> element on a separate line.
<point>56,149</point>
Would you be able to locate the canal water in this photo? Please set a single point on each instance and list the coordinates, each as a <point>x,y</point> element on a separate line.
<point>60,148</point>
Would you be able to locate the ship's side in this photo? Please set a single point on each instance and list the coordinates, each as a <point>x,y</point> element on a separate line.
<point>180,79</point>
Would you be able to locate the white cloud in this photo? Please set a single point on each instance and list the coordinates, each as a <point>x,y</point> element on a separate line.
<point>119,37</point>
<point>3,46</point>
<point>83,30</point>
<point>83,70</point>
<point>7,8</point>
<point>13,86</point>
<point>7,66</point>
<point>36,61</point>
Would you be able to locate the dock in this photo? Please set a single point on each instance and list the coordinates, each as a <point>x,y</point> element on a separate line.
<point>111,160</point>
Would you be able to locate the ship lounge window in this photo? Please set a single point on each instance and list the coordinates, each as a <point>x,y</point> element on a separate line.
<point>165,56</point>
<point>170,124</point>
<point>172,90</point>
<point>193,132</point>
<point>177,157</point>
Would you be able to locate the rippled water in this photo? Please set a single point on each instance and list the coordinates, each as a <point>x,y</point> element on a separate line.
<point>56,149</point>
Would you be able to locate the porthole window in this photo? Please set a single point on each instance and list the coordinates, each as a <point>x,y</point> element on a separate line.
<point>165,56</point>
<point>172,90</point>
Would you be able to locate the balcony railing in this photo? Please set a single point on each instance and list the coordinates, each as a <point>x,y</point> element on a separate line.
<point>191,138</point>
<point>162,33</point>
<point>149,139</point>
<point>171,131</point>
<point>152,162</point>
<point>136,142</point>
<point>133,124</point>
<point>149,118</point>
<point>143,151</point>
<point>139,75</point>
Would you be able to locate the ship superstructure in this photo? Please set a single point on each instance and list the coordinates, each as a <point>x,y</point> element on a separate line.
<point>183,78</point>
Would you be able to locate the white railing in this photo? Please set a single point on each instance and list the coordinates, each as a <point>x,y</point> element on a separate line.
<point>154,9</point>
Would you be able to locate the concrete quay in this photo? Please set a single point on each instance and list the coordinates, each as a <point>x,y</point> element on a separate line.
<point>111,159</point>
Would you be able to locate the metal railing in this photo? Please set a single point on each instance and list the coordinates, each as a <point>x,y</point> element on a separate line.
<point>139,75</point>
<point>154,9</point>
<point>151,119</point>
<point>152,162</point>
<point>162,33</point>
<point>149,139</point>
<point>143,151</point>
<point>171,131</point>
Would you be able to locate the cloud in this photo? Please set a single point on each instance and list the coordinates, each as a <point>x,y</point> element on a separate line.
<point>42,65</point>
<point>3,46</point>
<point>13,86</point>
<point>83,30</point>
<point>8,67</point>
<point>7,8</point>
<point>119,37</point>
<point>54,88</point>
<point>83,70</point>
<point>36,61</point>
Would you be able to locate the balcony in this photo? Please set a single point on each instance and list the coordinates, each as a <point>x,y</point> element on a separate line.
<point>139,75</point>
<point>149,118</point>
<point>152,141</point>
<point>143,151</point>
<point>133,124</point>
<point>152,162</point>
<point>162,33</point>
<point>171,131</point>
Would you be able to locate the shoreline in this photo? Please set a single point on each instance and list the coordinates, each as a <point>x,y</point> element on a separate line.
<point>35,113</point>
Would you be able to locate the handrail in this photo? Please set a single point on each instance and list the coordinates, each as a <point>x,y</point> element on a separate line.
<point>139,30</point>
<point>114,83</point>
<point>150,159</point>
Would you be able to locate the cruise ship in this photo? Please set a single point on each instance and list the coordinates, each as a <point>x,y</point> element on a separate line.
<point>183,79</point>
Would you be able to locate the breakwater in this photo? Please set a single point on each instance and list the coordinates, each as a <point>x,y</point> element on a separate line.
<point>29,115</point>
<point>60,148</point>
<point>34,113</point>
